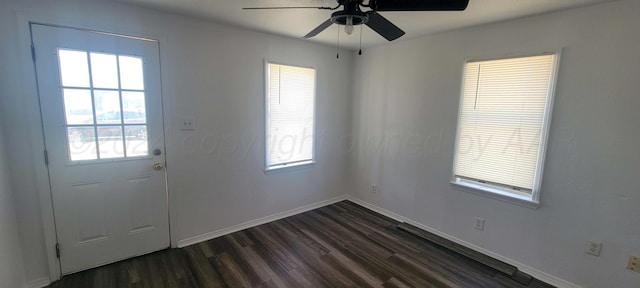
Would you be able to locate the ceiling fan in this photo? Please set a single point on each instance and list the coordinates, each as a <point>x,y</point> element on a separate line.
<point>353,14</point>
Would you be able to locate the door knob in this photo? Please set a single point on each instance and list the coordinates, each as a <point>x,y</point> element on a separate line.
<point>157,166</point>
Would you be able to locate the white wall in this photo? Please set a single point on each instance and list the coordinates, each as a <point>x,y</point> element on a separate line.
<point>11,268</point>
<point>408,92</point>
<point>210,71</point>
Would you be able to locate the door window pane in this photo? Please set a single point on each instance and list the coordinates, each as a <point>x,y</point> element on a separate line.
<point>77,106</point>
<point>96,103</point>
<point>131,76</point>
<point>134,107</point>
<point>136,138</point>
<point>74,69</point>
<point>110,142</point>
<point>82,144</point>
<point>104,70</point>
<point>107,107</point>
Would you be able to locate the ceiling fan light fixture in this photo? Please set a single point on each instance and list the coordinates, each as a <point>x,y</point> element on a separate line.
<point>348,27</point>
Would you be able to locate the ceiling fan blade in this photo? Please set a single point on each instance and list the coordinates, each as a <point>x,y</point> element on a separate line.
<point>419,5</point>
<point>319,29</point>
<point>384,27</point>
<point>273,8</point>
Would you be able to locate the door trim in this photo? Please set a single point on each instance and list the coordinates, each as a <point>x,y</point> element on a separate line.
<point>24,20</point>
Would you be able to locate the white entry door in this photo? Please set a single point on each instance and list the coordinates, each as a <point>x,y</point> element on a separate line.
<point>101,108</point>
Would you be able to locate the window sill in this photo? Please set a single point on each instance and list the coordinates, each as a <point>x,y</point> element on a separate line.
<point>497,194</point>
<point>289,167</point>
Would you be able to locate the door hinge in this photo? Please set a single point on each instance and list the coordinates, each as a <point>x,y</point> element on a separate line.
<point>58,250</point>
<point>46,157</point>
<point>33,52</point>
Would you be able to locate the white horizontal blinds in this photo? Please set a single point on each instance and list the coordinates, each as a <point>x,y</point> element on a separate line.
<point>290,127</point>
<point>501,120</point>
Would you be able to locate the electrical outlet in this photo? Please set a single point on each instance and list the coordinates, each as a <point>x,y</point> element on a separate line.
<point>634,263</point>
<point>187,123</point>
<point>479,223</point>
<point>593,248</point>
<point>374,188</point>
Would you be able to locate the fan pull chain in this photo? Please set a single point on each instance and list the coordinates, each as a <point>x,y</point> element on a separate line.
<point>338,46</point>
<point>360,51</point>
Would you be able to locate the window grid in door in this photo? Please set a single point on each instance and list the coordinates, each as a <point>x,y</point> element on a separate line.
<point>104,105</point>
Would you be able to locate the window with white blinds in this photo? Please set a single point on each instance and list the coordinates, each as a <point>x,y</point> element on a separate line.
<point>502,126</point>
<point>290,115</point>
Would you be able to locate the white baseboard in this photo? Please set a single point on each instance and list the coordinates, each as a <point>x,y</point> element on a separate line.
<point>256,222</point>
<point>542,276</point>
<point>39,282</point>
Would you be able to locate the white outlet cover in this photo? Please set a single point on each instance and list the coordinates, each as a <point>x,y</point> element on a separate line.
<point>188,123</point>
<point>634,263</point>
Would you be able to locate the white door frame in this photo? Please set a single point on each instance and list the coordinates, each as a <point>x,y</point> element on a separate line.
<point>36,129</point>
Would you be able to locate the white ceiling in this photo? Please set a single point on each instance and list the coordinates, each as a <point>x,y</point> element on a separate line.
<point>297,23</point>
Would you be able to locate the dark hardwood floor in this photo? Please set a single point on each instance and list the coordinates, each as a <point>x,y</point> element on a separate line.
<point>341,245</point>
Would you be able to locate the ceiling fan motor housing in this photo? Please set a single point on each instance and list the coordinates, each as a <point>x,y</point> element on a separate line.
<point>340,17</point>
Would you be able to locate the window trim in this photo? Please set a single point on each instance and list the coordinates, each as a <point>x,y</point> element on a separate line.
<point>291,166</point>
<point>495,191</point>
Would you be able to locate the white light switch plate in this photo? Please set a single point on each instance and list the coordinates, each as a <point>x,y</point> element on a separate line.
<point>479,223</point>
<point>593,248</point>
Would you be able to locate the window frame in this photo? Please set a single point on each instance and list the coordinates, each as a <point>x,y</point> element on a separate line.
<point>269,169</point>
<point>497,191</point>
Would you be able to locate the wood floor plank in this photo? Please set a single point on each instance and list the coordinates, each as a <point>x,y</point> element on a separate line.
<point>444,265</point>
<point>345,263</point>
<point>264,270</point>
<point>395,283</point>
<point>367,214</point>
<point>204,274</point>
<point>309,256</point>
<point>216,246</point>
<point>177,265</point>
<point>231,272</point>
<point>262,238</point>
<point>432,276</point>
<point>340,245</point>
<point>349,269</point>
<point>306,279</point>
<point>345,229</point>
<point>242,239</point>
<point>298,243</point>
<point>273,266</point>
<point>238,257</point>
<point>295,234</point>
<point>268,284</point>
